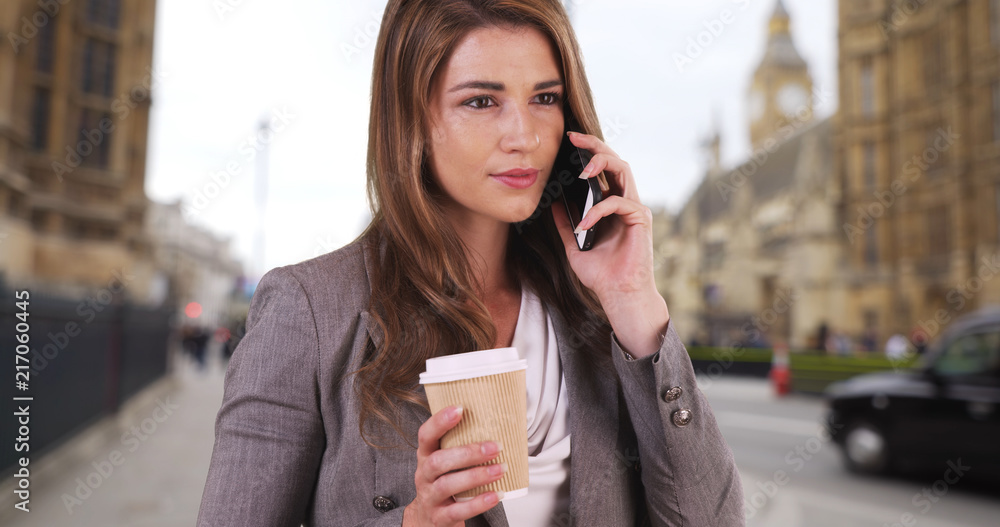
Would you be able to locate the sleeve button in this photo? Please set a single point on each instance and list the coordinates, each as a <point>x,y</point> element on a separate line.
<point>681,417</point>
<point>672,394</point>
<point>383,504</point>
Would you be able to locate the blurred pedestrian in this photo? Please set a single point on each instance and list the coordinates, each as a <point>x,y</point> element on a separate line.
<point>869,340</point>
<point>822,336</point>
<point>841,343</point>
<point>919,339</point>
<point>188,340</point>
<point>200,337</point>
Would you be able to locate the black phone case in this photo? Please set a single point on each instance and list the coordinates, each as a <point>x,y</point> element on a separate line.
<point>578,195</point>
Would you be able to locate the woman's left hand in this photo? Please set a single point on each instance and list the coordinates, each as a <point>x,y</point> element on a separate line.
<point>619,266</point>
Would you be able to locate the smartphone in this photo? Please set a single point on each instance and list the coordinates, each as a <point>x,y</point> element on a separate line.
<point>579,195</point>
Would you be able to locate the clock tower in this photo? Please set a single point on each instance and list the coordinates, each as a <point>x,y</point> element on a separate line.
<point>781,91</point>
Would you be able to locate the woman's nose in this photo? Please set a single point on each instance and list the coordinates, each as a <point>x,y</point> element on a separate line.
<point>520,132</point>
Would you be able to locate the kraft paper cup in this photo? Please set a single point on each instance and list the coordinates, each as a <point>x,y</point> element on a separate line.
<point>490,387</point>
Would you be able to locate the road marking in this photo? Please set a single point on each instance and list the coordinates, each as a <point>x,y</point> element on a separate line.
<point>770,423</point>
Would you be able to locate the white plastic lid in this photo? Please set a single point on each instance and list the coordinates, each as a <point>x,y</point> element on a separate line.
<point>472,364</point>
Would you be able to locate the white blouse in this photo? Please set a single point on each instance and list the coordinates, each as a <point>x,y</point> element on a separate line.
<point>548,428</point>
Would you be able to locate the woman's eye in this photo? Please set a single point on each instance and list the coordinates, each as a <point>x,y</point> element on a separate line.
<point>479,103</point>
<point>548,98</point>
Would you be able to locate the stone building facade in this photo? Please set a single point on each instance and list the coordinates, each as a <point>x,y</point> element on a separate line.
<point>76,80</point>
<point>917,157</point>
<point>753,257</point>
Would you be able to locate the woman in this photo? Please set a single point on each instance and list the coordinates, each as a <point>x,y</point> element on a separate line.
<point>323,420</point>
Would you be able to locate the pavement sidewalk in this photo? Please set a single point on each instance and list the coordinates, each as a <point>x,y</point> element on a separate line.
<point>161,466</point>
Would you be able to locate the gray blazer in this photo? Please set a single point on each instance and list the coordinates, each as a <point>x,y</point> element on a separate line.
<point>287,449</point>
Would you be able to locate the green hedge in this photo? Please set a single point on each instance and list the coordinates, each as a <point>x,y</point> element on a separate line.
<point>812,371</point>
<point>736,354</point>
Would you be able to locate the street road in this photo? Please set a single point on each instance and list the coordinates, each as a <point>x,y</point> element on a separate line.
<point>793,476</point>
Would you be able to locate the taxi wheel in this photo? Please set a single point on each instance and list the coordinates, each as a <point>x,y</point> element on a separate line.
<point>866,450</point>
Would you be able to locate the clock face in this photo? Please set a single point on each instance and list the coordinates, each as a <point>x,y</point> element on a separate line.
<point>757,104</point>
<point>792,98</point>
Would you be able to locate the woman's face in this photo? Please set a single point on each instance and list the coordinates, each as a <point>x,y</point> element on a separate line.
<point>496,123</point>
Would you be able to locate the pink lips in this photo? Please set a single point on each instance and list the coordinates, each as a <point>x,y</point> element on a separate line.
<point>517,178</point>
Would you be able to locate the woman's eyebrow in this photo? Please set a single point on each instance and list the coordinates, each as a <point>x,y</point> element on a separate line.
<point>499,86</point>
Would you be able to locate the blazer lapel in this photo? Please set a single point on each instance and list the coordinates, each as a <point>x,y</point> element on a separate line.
<point>593,422</point>
<point>495,517</point>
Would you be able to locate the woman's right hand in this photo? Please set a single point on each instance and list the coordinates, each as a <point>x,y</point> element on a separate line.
<point>436,484</point>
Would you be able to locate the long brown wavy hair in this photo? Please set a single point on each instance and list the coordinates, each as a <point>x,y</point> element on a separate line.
<point>423,289</point>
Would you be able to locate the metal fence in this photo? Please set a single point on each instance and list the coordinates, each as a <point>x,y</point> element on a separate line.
<point>87,358</point>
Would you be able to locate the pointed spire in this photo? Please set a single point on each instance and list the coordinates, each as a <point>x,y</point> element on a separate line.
<point>780,48</point>
<point>779,10</point>
<point>712,146</point>
<point>780,20</point>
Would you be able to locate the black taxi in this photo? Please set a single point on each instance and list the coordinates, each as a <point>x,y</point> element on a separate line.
<point>945,411</point>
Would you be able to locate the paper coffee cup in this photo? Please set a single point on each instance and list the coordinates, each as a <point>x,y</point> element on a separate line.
<point>490,387</point>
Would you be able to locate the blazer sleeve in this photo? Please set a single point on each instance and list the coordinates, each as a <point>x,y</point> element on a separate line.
<point>687,469</point>
<point>269,436</point>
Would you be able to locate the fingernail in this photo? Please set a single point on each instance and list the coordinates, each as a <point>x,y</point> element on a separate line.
<point>587,171</point>
<point>499,495</point>
<point>491,447</point>
<point>496,470</point>
<point>603,183</point>
<point>579,228</point>
<point>455,413</point>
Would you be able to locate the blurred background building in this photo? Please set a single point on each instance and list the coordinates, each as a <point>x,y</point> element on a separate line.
<point>917,150</point>
<point>76,227</point>
<point>193,265</point>
<point>74,108</point>
<point>880,220</point>
<point>75,93</point>
<point>850,228</point>
<point>755,249</point>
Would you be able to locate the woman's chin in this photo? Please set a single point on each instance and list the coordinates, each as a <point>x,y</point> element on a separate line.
<point>522,215</point>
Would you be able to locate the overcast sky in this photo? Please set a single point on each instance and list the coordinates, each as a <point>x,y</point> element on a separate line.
<point>305,65</point>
